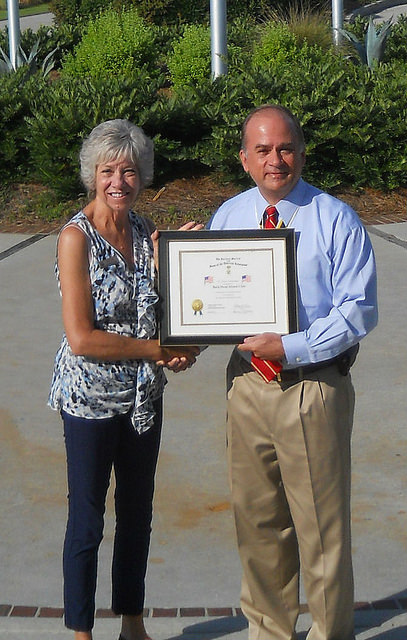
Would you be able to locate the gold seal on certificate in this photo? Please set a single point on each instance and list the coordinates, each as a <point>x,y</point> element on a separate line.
<point>220,286</point>
<point>197,306</point>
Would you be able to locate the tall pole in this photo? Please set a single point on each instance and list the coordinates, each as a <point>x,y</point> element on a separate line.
<point>13,19</point>
<point>337,20</point>
<point>218,38</point>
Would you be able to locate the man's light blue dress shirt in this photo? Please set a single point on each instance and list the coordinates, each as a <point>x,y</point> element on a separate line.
<point>337,299</point>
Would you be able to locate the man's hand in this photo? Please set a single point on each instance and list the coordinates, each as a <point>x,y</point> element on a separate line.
<point>267,346</point>
<point>188,226</point>
<point>191,226</point>
<point>178,358</point>
<point>154,238</point>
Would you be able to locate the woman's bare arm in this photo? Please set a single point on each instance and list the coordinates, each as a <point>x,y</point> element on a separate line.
<point>77,312</point>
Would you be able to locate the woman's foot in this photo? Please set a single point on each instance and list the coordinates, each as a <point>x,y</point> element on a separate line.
<point>133,628</point>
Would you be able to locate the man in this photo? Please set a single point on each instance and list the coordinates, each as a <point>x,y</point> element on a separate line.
<point>289,439</point>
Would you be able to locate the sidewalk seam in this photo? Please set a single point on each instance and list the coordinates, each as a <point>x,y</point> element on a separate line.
<point>22,245</point>
<point>388,236</point>
<point>25,611</point>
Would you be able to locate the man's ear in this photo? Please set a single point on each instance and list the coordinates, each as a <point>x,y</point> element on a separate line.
<point>243,160</point>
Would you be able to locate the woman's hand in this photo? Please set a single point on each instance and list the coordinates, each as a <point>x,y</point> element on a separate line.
<point>178,358</point>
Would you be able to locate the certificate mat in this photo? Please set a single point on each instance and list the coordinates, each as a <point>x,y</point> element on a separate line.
<point>217,287</point>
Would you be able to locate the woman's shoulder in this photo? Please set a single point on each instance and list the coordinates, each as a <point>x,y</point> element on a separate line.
<point>72,238</point>
<point>78,221</point>
<point>74,232</point>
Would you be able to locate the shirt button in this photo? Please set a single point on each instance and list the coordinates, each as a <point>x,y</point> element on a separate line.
<point>298,359</point>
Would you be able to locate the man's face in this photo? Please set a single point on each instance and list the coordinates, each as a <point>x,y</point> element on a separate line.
<point>272,155</point>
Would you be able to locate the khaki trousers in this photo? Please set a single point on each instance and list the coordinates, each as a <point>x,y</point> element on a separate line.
<point>289,467</point>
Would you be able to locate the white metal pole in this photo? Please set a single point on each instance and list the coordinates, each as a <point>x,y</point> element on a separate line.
<point>13,19</point>
<point>337,20</point>
<point>218,38</point>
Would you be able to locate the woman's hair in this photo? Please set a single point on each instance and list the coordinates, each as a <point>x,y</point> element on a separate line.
<point>115,139</point>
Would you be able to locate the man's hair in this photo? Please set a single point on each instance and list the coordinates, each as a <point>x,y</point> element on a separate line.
<point>115,139</point>
<point>295,123</point>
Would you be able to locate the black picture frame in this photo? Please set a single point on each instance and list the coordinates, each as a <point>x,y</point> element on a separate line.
<point>234,300</point>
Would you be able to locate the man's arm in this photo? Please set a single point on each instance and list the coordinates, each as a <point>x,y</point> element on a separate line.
<point>353,308</point>
<point>351,314</point>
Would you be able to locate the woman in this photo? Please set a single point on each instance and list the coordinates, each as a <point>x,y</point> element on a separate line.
<point>107,381</point>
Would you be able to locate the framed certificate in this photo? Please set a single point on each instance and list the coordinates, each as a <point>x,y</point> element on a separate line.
<point>217,287</point>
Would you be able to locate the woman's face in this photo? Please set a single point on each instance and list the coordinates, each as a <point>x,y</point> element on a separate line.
<point>117,184</point>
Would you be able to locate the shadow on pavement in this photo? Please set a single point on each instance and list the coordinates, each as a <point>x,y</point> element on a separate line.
<point>388,608</point>
<point>213,628</point>
<point>217,629</point>
<point>394,634</point>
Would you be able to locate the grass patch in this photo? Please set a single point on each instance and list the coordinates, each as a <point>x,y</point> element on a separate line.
<point>27,11</point>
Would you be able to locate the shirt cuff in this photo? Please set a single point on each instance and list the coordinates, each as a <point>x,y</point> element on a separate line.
<point>296,349</point>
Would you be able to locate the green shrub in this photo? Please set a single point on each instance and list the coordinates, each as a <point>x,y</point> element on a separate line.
<point>16,94</point>
<point>354,119</point>
<point>155,11</point>
<point>168,12</point>
<point>347,115</point>
<point>224,104</point>
<point>277,44</point>
<point>63,39</point>
<point>178,125</point>
<point>371,146</point>
<point>198,11</point>
<point>190,60</point>
<point>160,12</point>
<point>242,33</point>
<point>396,45</point>
<point>74,11</point>
<point>67,111</point>
<point>113,43</point>
<point>308,21</point>
<point>282,43</point>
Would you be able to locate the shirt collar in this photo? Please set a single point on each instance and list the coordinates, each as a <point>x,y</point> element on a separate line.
<point>286,206</point>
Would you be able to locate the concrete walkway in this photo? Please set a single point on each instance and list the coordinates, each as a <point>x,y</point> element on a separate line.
<point>194,572</point>
<point>33,22</point>
<point>383,10</point>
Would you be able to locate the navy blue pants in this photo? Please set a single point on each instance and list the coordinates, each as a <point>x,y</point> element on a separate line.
<point>93,447</point>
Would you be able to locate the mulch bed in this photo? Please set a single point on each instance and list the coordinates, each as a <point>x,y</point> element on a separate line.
<point>196,198</point>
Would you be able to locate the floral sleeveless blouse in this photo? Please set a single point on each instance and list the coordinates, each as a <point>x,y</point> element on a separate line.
<point>124,303</point>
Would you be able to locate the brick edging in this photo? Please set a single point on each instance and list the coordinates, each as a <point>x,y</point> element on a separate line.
<point>25,611</point>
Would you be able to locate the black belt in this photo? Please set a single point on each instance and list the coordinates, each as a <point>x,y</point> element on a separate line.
<point>343,362</point>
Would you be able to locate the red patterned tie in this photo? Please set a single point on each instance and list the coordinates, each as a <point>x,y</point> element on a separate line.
<point>270,217</point>
<point>268,369</point>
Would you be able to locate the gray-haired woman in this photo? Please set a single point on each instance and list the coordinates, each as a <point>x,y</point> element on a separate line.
<point>107,382</point>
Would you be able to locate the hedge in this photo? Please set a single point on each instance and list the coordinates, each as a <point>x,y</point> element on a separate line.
<point>354,118</point>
